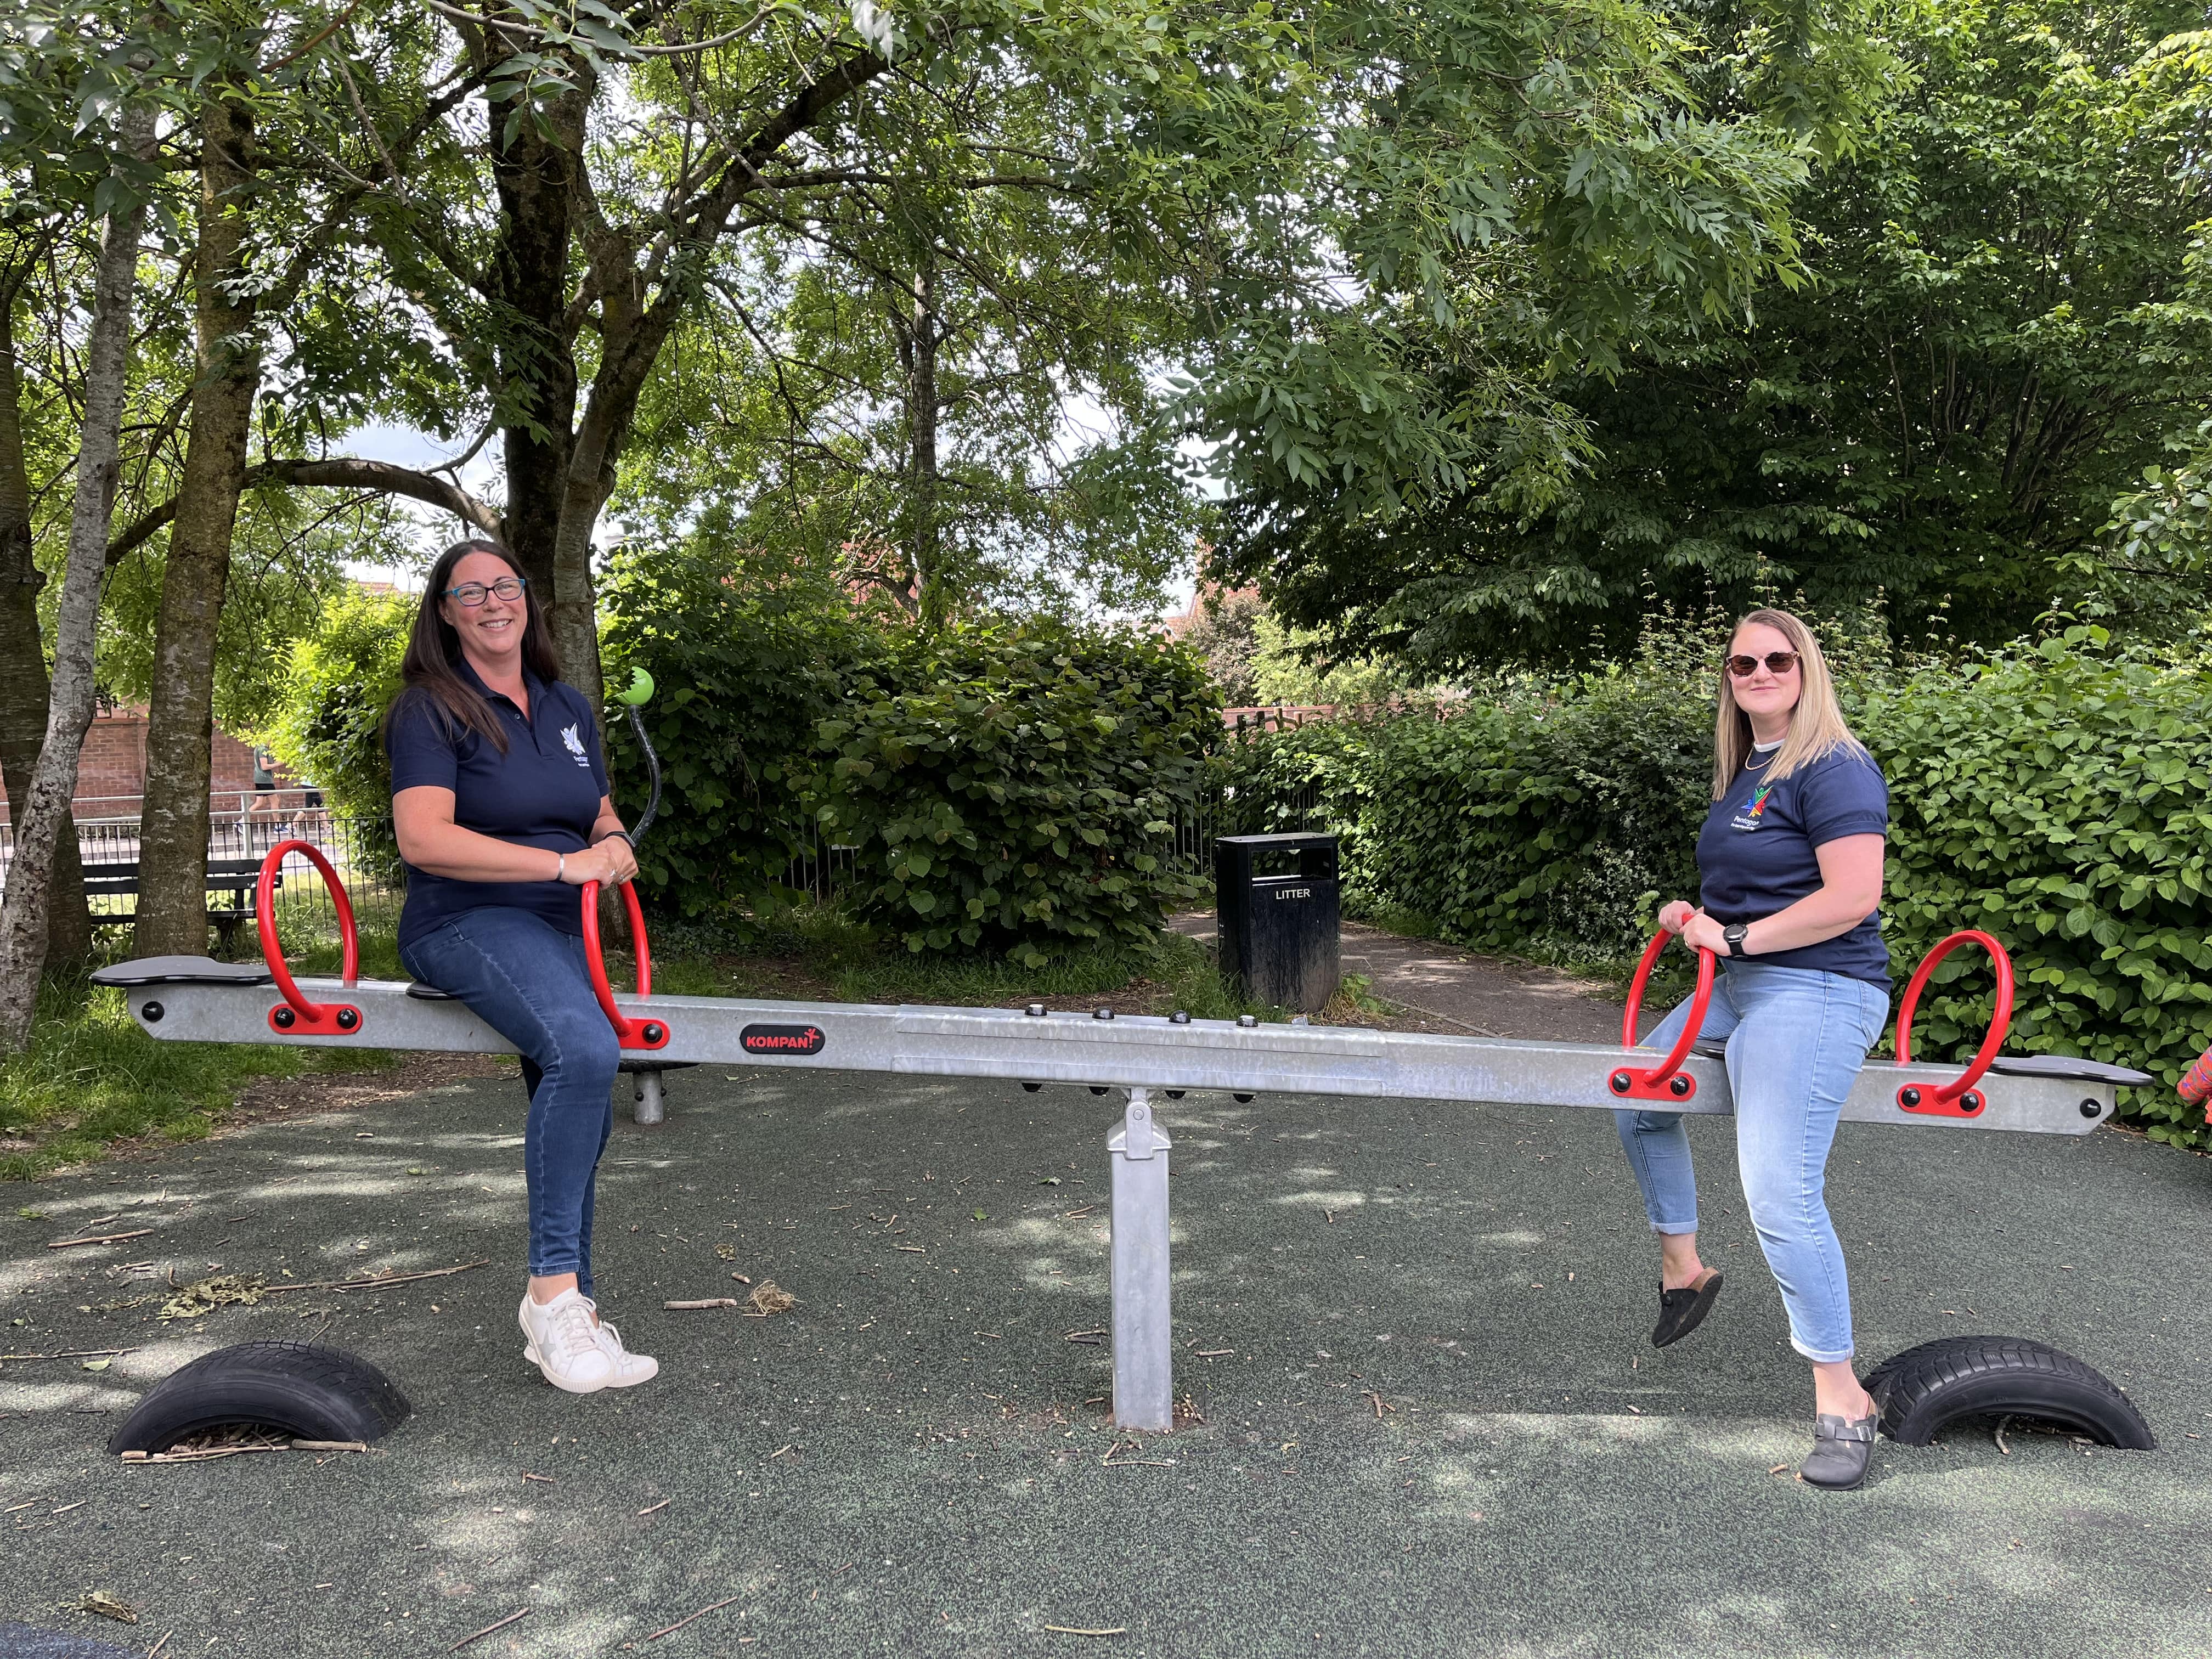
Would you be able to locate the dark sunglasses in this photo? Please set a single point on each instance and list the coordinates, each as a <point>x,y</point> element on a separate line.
<point>1779,663</point>
<point>506,588</point>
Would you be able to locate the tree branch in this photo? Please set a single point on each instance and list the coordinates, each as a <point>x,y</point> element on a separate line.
<point>340,472</point>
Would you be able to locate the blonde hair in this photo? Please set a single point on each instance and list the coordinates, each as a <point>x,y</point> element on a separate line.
<point>1817,727</point>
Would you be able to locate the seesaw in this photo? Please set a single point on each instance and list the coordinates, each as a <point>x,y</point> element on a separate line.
<point>1139,1057</point>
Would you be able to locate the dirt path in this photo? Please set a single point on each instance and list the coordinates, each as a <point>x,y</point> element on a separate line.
<point>1456,990</point>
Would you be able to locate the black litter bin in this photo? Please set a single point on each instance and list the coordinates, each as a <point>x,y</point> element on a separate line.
<point>1275,902</point>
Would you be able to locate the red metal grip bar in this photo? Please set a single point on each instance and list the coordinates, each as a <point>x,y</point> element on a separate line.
<point>295,1014</point>
<point>631,1033</point>
<point>1959,1098</point>
<point>1666,1081</point>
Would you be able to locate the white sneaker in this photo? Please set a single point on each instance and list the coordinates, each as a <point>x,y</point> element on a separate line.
<point>563,1342</point>
<point>630,1368</point>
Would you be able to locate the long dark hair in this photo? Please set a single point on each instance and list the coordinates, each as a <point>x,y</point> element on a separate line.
<point>432,668</point>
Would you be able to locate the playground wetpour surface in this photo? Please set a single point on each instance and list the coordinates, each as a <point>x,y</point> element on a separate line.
<point>1422,1414</point>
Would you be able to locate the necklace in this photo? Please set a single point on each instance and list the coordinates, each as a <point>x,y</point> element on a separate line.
<point>1756,762</point>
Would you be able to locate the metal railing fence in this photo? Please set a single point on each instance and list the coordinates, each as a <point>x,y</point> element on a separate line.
<point>360,850</point>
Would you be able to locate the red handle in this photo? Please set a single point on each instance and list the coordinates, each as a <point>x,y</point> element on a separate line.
<point>1666,1081</point>
<point>632,1033</point>
<point>1958,1098</point>
<point>295,1015</point>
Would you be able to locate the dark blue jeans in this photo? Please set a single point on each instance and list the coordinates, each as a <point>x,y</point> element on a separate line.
<point>526,979</point>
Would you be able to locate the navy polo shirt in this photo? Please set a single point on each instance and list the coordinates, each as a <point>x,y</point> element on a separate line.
<point>1759,851</point>
<point>544,791</point>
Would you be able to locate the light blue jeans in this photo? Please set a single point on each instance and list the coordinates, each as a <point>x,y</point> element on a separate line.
<point>1796,1038</point>
<point>526,979</point>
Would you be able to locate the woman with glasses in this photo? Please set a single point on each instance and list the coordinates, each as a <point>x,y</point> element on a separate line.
<point>499,795</point>
<point>1791,861</point>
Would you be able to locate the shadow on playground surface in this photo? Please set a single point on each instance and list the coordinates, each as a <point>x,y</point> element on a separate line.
<point>1415,1335</point>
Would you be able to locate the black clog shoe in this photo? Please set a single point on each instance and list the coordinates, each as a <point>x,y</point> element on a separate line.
<point>1680,1311</point>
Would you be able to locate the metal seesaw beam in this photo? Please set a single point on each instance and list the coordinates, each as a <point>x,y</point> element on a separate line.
<point>196,999</point>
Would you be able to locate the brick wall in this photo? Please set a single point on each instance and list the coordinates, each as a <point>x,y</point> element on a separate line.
<point>111,774</point>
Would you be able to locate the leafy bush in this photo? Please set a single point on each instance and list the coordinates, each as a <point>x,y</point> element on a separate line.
<point>745,665</point>
<point>1012,787</point>
<point>329,729</point>
<point>2054,795</point>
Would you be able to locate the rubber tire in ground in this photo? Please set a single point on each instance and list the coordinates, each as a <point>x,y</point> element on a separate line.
<point>308,1391</point>
<point>1924,1389</point>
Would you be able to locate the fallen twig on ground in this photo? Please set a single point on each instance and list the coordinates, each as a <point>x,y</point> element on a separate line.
<point>330,1445</point>
<point>688,1618</point>
<point>704,1301</point>
<point>477,1636</point>
<point>72,1353</point>
<point>1073,1630</point>
<point>105,1238</point>
<point>657,1508</point>
<point>196,1457</point>
<point>378,1283</point>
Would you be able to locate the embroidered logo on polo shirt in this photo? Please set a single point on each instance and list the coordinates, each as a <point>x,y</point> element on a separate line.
<point>1748,815</point>
<point>576,744</point>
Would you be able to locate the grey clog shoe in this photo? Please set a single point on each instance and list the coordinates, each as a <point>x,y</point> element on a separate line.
<point>1842,1449</point>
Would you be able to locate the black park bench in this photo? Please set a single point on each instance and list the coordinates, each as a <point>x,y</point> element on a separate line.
<point>234,878</point>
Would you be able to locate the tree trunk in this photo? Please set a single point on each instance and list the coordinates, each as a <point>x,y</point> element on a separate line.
<point>535,174</point>
<point>180,724</point>
<point>575,616</point>
<point>77,627</point>
<point>23,705</point>
<point>931,597</point>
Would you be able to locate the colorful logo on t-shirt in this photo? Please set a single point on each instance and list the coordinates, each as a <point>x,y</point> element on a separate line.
<point>1748,815</point>
<point>576,744</point>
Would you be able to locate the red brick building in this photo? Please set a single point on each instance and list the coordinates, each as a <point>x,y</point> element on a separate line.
<point>110,776</point>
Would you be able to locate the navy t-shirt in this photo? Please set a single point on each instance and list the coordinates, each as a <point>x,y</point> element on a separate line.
<point>544,792</point>
<point>1757,852</point>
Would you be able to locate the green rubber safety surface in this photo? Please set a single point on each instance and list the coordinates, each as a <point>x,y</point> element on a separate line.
<point>1432,1423</point>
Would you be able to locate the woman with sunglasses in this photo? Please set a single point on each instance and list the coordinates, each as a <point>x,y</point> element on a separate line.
<point>499,795</point>
<point>1791,859</point>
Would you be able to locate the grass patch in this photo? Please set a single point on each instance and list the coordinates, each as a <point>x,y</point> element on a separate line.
<point>92,1077</point>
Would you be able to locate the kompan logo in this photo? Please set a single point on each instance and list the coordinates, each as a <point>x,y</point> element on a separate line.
<point>570,736</point>
<point>781,1039</point>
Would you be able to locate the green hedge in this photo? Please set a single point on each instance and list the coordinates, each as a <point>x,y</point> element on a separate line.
<point>1008,788</point>
<point>1013,787</point>
<point>745,668</point>
<point>2055,796</point>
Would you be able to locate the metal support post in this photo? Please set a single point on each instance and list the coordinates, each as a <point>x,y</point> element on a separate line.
<point>652,1107</point>
<point>1144,1357</point>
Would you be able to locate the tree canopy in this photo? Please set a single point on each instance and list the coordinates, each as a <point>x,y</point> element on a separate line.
<point>1996,327</point>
